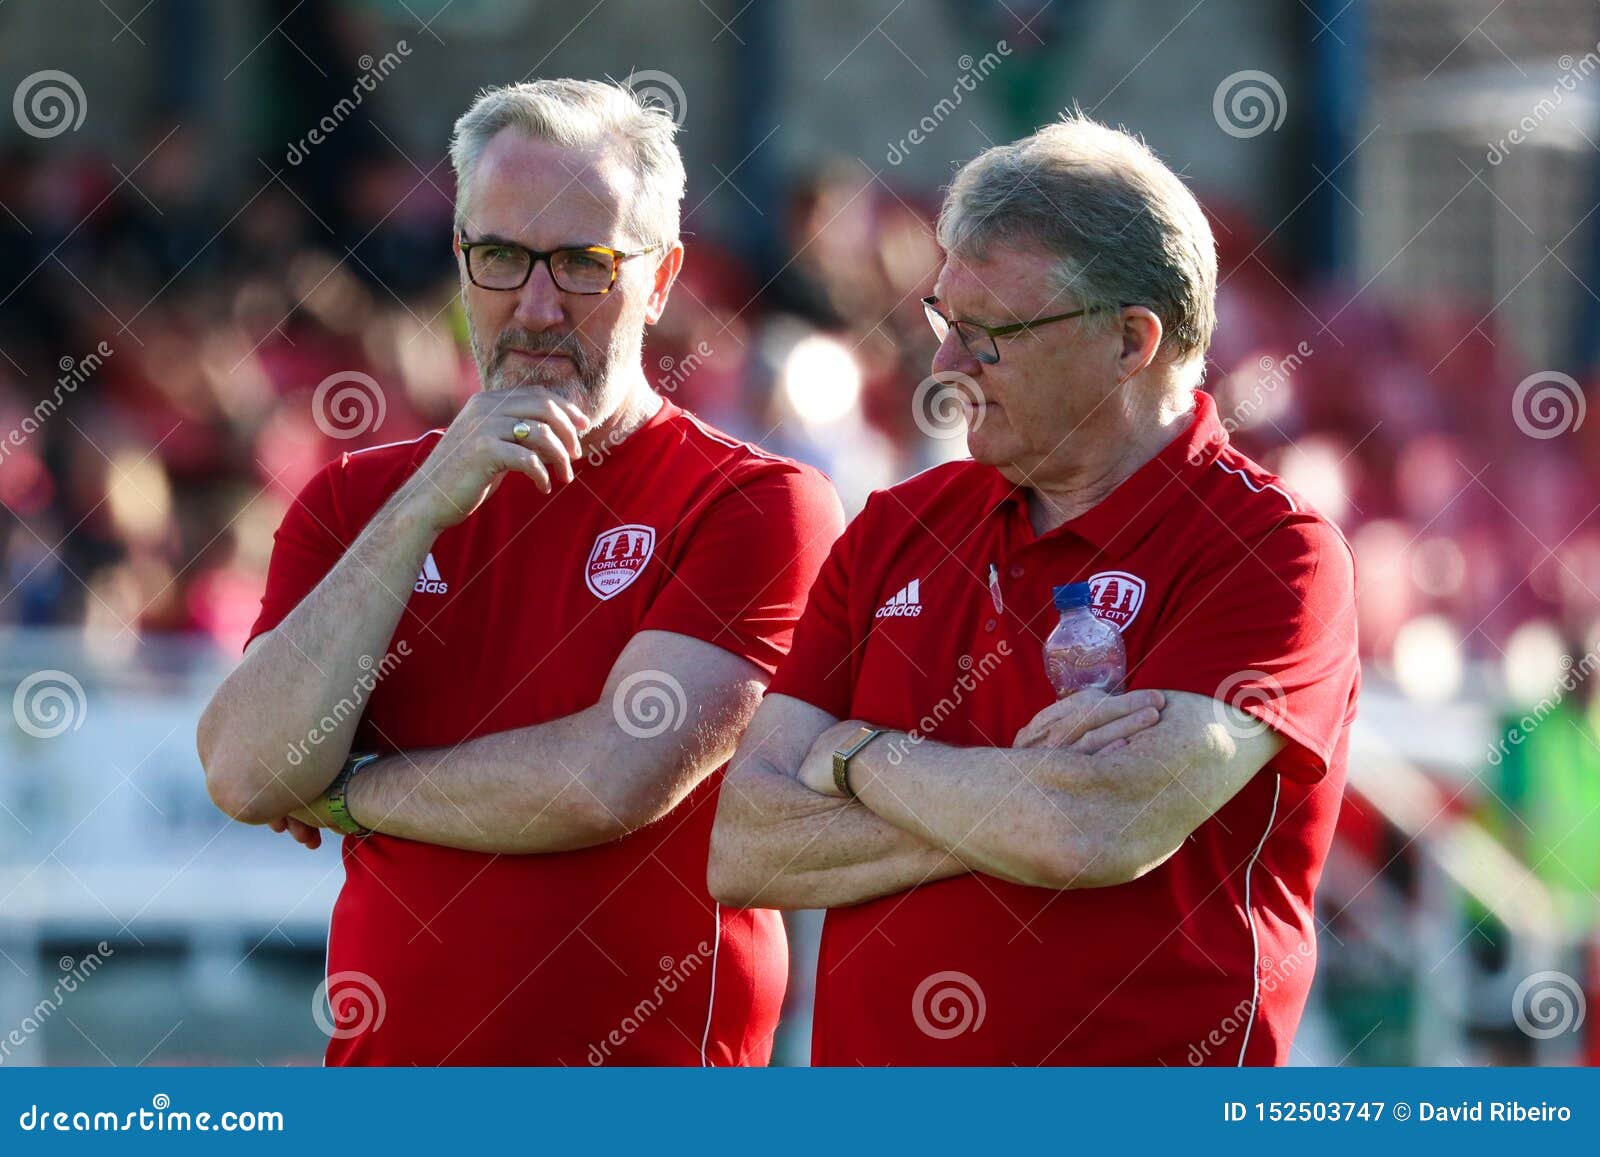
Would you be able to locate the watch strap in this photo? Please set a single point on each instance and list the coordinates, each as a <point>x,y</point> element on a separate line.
<point>334,797</point>
<point>842,757</point>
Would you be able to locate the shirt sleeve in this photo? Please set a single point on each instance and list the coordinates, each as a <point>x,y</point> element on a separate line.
<point>743,579</point>
<point>819,668</point>
<point>304,549</point>
<point>1271,632</point>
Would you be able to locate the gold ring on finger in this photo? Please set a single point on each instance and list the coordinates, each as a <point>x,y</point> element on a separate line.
<point>521,431</point>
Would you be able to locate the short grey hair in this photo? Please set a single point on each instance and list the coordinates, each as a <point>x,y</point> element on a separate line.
<point>582,114</point>
<point>1124,228</point>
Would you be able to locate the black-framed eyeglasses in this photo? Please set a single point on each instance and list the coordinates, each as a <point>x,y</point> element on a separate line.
<point>584,269</point>
<point>979,340</point>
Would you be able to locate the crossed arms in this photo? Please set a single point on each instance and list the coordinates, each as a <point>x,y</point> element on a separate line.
<point>1093,794</point>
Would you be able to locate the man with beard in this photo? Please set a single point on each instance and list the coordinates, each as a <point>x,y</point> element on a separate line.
<point>509,659</point>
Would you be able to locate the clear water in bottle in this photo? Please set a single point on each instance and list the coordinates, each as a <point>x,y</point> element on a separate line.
<point>1084,650</point>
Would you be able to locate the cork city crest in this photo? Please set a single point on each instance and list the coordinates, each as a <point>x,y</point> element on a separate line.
<point>617,558</point>
<point>1116,596</point>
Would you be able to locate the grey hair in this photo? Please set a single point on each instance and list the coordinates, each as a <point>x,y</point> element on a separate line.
<point>582,114</point>
<point>1125,229</point>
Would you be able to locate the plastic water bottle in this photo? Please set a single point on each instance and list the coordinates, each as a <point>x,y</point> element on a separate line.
<point>1084,650</point>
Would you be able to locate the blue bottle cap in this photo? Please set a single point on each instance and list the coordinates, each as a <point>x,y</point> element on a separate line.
<point>1072,596</point>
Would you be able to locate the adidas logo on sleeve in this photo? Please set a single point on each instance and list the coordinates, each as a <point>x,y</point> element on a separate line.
<point>905,603</point>
<point>429,582</point>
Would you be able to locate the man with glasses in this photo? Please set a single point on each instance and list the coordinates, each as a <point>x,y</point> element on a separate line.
<point>508,659</point>
<point>1108,878</point>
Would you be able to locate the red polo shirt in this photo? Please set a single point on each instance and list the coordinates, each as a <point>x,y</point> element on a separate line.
<point>614,953</point>
<point>1225,584</point>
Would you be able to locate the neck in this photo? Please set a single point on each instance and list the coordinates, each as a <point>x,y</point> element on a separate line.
<point>639,404</point>
<point>1062,492</point>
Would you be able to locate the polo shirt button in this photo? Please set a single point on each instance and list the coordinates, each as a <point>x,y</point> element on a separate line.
<point>989,626</point>
<point>1017,572</point>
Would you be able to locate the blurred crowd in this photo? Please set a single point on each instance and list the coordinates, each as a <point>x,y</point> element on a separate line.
<point>182,326</point>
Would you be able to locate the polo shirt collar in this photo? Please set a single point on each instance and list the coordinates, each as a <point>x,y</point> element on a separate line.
<point>1130,511</point>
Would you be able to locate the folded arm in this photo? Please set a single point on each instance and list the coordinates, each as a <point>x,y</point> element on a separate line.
<point>778,844</point>
<point>671,712</point>
<point>1056,818</point>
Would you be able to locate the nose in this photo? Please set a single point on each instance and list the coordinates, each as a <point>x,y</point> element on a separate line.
<point>539,304</point>
<point>952,355</point>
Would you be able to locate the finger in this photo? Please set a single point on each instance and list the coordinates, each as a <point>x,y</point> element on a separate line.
<point>1119,728</point>
<point>514,456</point>
<point>1113,745</point>
<point>278,825</point>
<point>309,836</point>
<point>559,418</point>
<point>545,442</point>
<point>1109,708</point>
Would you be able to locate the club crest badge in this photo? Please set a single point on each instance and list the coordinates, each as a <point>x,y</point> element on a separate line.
<point>1116,596</point>
<point>617,558</point>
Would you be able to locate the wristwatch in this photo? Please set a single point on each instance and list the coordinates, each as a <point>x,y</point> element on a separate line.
<point>334,796</point>
<point>848,750</point>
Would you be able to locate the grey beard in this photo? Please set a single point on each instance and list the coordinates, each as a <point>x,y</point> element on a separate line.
<point>492,368</point>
